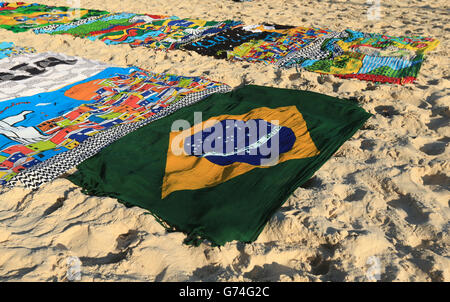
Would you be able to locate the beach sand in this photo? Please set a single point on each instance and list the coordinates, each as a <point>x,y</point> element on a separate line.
<point>380,206</point>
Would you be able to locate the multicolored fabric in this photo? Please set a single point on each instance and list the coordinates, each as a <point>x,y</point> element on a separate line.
<point>226,41</point>
<point>20,16</point>
<point>59,164</point>
<point>271,49</point>
<point>346,54</point>
<point>193,173</point>
<point>30,74</point>
<point>160,32</point>
<point>164,33</point>
<point>373,57</point>
<point>78,28</point>
<point>38,127</point>
<point>8,49</point>
<point>95,26</point>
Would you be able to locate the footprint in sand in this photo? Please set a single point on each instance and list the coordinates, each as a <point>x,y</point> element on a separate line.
<point>357,195</point>
<point>387,111</point>
<point>439,180</point>
<point>435,148</point>
<point>368,144</point>
<point>415,214</point>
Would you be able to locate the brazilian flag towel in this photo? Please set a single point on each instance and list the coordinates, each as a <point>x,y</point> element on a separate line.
<point>219,169</point>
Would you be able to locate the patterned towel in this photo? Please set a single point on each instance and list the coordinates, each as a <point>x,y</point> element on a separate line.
<point>372,57</point>
<point>273,48</point>
<point>220,44</point>
<point>51,104</point>
<point>153,31</point>
<point>30,74</point>
<point>222,175</point>
<point>21,16</point>
<point>85,27</point>
<point>346,54</point>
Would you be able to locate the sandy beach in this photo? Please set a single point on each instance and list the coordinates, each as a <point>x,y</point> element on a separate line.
<point>380,206</point>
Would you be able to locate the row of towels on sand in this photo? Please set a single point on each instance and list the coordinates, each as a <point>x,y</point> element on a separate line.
<point>346,53</point>
<point>137,136</point>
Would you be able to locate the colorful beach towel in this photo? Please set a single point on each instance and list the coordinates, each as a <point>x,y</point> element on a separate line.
<point>101,27</point>
<point>153,31</point>
<point>222,175</point>
<point>165,33</point>
<point>346,54</point>
<point>226,41</point>
<point>273,48</point>
<point>372,57</point>
<point>86,27</point>
<point>33,73</point>
<point>35,128</point>
<point>20,16</point>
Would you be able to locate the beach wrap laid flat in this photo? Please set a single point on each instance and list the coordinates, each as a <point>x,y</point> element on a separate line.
<point>219,169</point>
<point>21,16</point>
<point>261,42</point>
<point>344,53</point>
<point>153,31</point>
<point>221,43</point>
<point>371,57</point>
<point>27,74</point>
<point>57,110</point>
